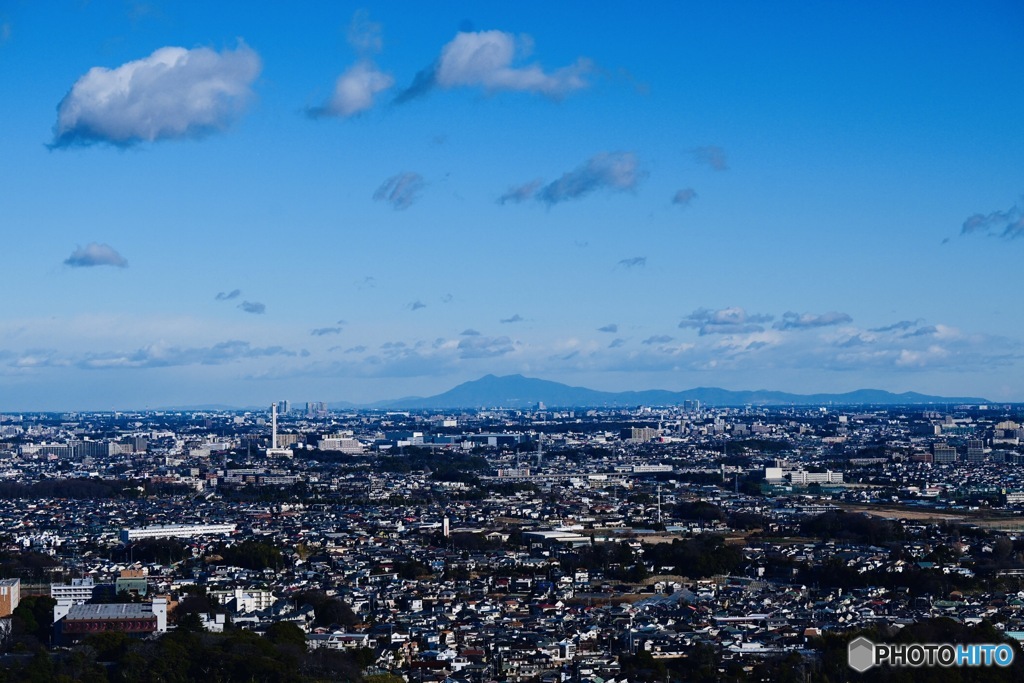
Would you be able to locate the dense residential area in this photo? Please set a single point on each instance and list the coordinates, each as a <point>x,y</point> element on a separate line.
<point>606,545</point>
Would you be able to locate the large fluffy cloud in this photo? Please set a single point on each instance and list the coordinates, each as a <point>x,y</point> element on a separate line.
<point>485,59</point>
<point>173,93</point>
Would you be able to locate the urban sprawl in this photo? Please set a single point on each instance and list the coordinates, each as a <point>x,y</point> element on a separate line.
<point>605,545</point>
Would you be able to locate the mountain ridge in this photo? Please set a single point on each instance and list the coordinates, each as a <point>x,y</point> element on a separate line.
<point>517,391</point>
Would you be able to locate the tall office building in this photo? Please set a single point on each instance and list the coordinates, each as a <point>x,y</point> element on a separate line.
<point>943,453</point>
<point>975,450</point>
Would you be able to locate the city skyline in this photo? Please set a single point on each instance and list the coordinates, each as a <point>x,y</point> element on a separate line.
<point>361,203</point>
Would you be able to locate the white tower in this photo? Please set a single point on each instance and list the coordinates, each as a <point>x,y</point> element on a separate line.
<point>274,451</point>
<point>273,426</point>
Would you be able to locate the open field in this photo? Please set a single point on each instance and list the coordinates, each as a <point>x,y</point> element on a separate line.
<point>983,518</point>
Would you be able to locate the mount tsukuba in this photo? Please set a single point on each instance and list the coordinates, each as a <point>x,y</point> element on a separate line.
<point>516,391</point>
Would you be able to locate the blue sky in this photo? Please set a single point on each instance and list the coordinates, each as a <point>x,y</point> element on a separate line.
<point>203,203</point>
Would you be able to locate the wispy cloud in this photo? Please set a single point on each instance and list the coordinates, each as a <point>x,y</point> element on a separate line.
<point>513,319</point>
<point>159,355</point>
<point>364,35</point>
<point>324,331</point>
<point>684,197</point>
<point>803,321</point>
<point>172,94</point>
<point>925,331</point>
<point>611,327</point>
<point>400,191</point>
<point>634,262</point>
<point>227,296</point>
<point>1005,224</point>
<point>901,325</point>
<point>415,305</point>
<point>485,347</point>
<point>95,254</point>
<point>521,193</point>
<point>733,320</point>
<point>616,343</point>
<point>469,332</point>
<point>167,356</point>
<point>711,155</point>
<point>356,349</point>
<point>657,339</point>
<point>613,171</point>
<point>253,307</point>
<point>485,59</point>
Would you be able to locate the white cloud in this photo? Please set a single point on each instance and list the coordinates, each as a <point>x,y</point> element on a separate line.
<point>484,347</point>
<point>157,355</point>
<point>355,90</point>
<point>732,320</point>
<point>804,321</point>
<point>94,254</point>
<point>173,93</point>
<point>484,59</point>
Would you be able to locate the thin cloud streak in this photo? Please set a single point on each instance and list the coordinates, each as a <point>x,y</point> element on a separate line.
<point>611,171</point>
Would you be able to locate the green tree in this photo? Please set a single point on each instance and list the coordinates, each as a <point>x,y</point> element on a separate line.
<point>286,633</point>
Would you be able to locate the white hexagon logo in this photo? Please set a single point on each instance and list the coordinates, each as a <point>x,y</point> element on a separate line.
<point>861,654</point>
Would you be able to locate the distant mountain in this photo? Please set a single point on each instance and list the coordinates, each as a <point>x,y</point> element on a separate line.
<point>516,391</point>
